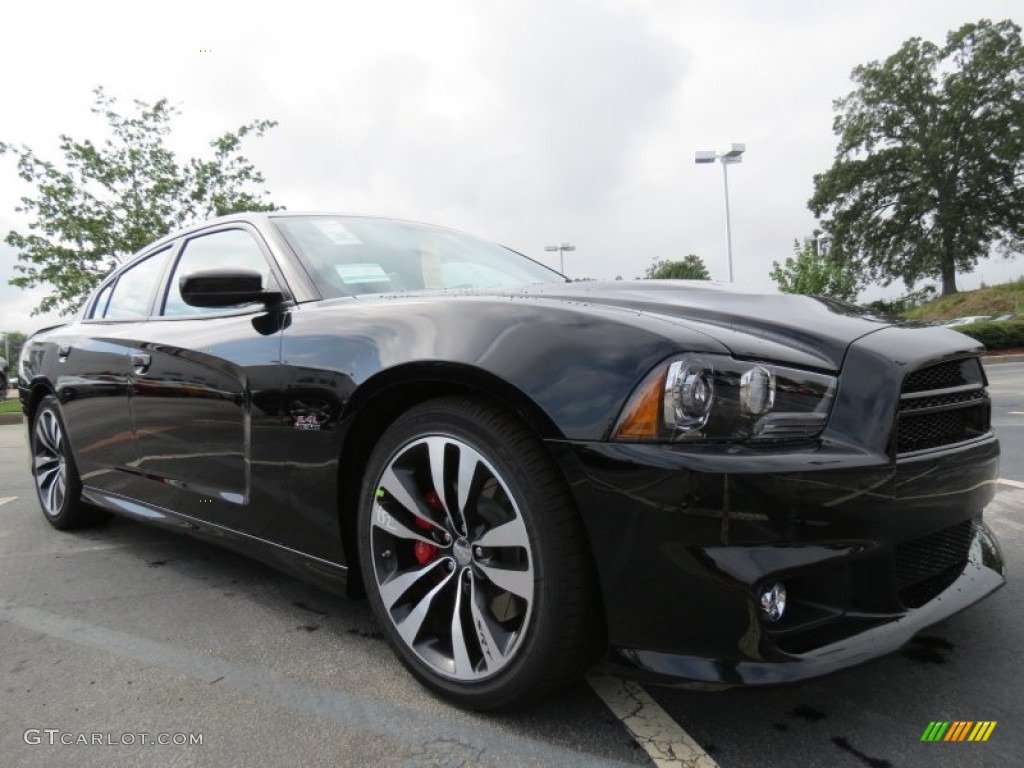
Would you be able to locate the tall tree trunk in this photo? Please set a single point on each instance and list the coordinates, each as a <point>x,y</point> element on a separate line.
<point>948,277</point>
<point>948,257</point>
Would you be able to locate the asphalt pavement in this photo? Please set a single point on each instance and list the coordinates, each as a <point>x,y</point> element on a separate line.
<point>128,633</point>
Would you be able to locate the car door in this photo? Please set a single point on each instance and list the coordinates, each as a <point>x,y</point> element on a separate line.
<point>92,375</point>
<point>206,391</point>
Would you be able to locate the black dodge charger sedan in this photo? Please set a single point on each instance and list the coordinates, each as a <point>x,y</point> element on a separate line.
<point>521,473</point>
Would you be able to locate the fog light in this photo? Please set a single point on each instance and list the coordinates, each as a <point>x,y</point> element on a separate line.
<point>773,602</point>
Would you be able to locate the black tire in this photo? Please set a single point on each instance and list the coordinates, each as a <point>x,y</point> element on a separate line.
<point>554,627</point>
<point>58,486</point>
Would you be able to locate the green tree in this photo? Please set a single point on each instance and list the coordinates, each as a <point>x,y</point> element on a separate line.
<point>10,347</point>
<point>106,201</point>
<point>690,267</point>
<point>927,172</point>
<point>815,272</point>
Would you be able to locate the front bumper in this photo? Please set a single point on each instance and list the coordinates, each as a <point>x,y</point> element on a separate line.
<point>871,551</point>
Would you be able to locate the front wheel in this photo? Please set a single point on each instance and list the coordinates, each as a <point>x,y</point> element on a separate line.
<point>474,558</point>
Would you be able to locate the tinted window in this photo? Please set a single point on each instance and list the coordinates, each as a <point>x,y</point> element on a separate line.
<point>231,248</point>
<point>101,301</point>
<point>135,286</point>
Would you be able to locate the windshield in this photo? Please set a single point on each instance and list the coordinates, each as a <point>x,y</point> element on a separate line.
<point>350,255</point>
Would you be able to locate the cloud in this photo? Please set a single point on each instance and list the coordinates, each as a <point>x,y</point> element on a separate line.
<point>16,304</point>
<point>528,122</point>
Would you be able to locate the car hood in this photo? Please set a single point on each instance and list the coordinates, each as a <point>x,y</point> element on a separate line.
<point>804,330</point>
<point>798,330</point>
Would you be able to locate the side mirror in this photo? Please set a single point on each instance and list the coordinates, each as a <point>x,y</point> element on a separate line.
<point>225,288</point>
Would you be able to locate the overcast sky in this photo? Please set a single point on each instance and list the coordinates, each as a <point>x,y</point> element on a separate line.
<point>528,122</point>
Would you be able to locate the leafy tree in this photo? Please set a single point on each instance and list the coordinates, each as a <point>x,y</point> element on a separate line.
<point>106,201</point>
<point>10,347</point>
<point>815,272</point>
<point>927,172</point>
<point>691,267</point>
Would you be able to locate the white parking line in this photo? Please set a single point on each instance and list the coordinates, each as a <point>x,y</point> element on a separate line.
<point>5,499</point>
<point>464,738</point>
<point>650,725</point>
<point>1012,483</point>
<point>59,552</point>
<point>1002,522</point>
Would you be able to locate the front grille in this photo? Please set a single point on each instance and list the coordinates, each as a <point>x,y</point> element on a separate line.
<point>919,432</point>
<point>941,376</point>
<point>934,401</point>
<point>926,566</point>
<point>942,404</point>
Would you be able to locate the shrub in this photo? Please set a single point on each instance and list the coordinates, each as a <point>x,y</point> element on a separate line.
<point>1004,335</point>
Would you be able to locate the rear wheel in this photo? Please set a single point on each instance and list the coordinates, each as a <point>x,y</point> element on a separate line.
<point>474,557</point>
<point>58,485</point>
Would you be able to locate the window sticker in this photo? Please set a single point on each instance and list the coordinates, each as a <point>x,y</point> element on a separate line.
<point>430,262</point>
<point>361,273</point>
<point>337,232</point>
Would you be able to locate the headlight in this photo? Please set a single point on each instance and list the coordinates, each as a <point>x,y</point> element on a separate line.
<point>716,398</point>
<point>689,391</point>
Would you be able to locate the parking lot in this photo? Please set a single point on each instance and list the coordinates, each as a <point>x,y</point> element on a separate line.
<point>129,630</point>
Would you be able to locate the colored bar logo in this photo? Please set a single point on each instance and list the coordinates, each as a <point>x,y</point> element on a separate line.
<point>958,730</point>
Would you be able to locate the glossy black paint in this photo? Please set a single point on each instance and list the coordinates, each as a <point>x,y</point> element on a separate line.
<point>252,427</point>
<point>706,530</point>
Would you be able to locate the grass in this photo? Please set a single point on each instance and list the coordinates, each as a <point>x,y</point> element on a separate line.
<point>994,300</point>
<point>10,406</point>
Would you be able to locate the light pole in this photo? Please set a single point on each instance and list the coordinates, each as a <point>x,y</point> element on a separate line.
<point>734,155</point>
<point>561,253</point>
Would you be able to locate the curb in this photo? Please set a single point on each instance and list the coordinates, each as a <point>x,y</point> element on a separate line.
<point>997,359</point>
<point>11,418</point>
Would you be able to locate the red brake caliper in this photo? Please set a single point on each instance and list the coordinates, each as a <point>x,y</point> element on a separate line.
<point>426,552</point>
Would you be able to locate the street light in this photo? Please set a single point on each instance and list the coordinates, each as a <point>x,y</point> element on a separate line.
<point>734,155</point>
<point>561,253</point>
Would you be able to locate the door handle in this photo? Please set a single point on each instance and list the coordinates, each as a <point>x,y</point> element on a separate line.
<point>141,362</point>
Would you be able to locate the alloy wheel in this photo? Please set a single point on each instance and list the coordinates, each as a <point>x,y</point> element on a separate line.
<point>452,558</point>
<point>50,462</point>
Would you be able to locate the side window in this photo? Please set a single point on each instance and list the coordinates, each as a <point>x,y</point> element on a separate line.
<point>135,286</point>
<point>101,301</point>
<point>230,248</point>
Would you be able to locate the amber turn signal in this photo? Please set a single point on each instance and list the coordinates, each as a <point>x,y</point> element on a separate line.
<point>640,419</point>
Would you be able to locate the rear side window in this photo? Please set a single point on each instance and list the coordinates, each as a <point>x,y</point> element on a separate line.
<point>101,301</point>
<point>134,288</point>
<point>230,248</point>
